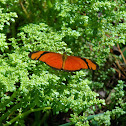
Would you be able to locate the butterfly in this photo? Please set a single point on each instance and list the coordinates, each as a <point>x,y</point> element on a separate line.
<point>63,62</point>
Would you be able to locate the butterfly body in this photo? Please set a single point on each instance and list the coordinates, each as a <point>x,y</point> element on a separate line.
<point>63,62</point>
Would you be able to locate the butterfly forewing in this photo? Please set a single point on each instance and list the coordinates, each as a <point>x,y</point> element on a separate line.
<point>92,65</point>
<point>36,55</point>
<point>74,63</point>
<point>52,59</point>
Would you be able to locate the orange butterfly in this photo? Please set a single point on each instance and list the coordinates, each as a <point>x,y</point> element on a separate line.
<point>63,62</point>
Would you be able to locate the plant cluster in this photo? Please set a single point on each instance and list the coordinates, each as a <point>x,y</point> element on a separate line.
<point>31,89</point>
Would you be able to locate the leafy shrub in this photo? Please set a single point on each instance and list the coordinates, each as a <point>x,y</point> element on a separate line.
<point>28,86</point>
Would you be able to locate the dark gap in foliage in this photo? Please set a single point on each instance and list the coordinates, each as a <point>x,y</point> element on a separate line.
<point>38,118</point>
<point>1,53</point>
<point>121,121</point>
<point>17,84</point>
<point>61,118</point>
<point>9,93</point>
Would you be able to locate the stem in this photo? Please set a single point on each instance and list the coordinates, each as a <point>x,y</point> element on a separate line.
<point>25,114</point>
<point>46,115</point>
<point>24,9</point>
<point>5,115</point>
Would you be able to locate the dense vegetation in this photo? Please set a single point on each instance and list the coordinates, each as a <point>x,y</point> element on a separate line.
<point>31,93</point>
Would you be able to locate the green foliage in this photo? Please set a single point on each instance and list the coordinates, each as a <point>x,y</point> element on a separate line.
<point>117,107</point>
<point>103,119</point>
<point>5,18</point>
<point>78,27</point>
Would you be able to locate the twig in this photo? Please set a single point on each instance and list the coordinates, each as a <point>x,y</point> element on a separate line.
<point>121,54</point>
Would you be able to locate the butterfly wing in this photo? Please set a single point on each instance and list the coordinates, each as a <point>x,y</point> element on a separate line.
<point>71,63</point>
<point>52,59</point>
<point>74,63</point>
<point>91,64</point>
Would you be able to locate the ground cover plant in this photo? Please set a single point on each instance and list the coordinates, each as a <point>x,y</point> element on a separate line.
<point>32,93</point>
